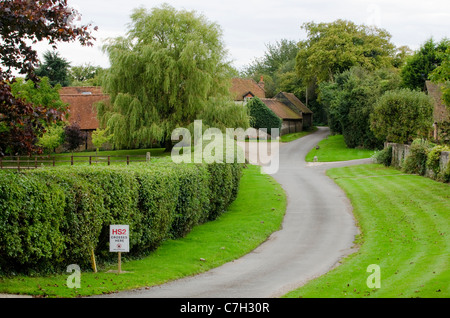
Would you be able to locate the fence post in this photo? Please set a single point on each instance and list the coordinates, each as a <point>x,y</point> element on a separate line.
<point>35,162</point>
<point>71,160</point>
<point>90,160</point>
<point>108,160</point>
<point>53,161</point>
<point>18,163</point>
<point>128,160</point>
<point>148,157</point>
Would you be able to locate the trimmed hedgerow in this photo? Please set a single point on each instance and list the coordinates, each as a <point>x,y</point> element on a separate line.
<point>50,218</point>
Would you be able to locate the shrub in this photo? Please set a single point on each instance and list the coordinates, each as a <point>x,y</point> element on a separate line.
<point>31,219</point>
<point>433,158</point>
<point>433,161</point>
<point>416,161</point>
<point>191,207</point>
<point>402,115</point>
<point>50,218</point>
<point>74,137</point>
<point>157,200</point>
<point>384,156</point>
<point>446,174</point>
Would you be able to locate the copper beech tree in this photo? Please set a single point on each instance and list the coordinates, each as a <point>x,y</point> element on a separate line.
<point>22,22</point>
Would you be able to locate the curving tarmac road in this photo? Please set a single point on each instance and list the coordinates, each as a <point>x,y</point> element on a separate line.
<point>317,231</point>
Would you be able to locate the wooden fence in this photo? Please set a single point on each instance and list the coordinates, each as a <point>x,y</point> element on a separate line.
<point>33,162</point>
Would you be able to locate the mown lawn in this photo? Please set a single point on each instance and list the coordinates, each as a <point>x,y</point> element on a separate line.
<point>405,225</point>
<point>334,148</point>
<point>294,136</point>
<point>251,218</point>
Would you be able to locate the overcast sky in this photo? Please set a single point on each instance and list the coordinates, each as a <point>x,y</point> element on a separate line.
<point>248,25</point>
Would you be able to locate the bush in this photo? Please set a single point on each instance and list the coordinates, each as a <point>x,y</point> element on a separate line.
<point>416,161</point>
<point>433,161</point>
<point>50,218</point>
<point>401,115</point>
<point>446,174</point>
<point>384,156</point>
<point>31,220</point>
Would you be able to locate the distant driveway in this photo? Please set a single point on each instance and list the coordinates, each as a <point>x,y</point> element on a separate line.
<point>317,231</point>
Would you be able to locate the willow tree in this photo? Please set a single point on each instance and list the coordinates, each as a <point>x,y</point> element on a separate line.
<point>162,75</point>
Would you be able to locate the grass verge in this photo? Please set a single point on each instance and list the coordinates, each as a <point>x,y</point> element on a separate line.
<point>256,213</point>
<point>334,148</point>
<point>405,230</point>
<point>294,136</point>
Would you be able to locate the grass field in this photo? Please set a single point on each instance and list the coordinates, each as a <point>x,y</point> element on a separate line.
<point>334,149</point>
<point>251,218</point>
<point>405,225</point>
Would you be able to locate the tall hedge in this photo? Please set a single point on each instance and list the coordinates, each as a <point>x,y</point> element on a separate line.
<point>262,116</point>
<point>53,217</point>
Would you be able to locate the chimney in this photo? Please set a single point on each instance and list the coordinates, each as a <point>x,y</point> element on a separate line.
<point>261,82</point>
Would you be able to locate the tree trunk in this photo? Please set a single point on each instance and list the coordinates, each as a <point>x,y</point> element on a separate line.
<point>168,145</point>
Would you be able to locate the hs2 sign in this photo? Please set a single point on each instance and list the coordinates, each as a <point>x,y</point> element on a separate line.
<point>119,238</point>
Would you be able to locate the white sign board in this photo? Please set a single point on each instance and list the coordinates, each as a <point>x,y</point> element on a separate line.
<point>119,238</point>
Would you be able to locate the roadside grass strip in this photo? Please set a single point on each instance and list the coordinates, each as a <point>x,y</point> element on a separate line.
<point>257,212</point>
<point>294,136</point>
<point>405,227</point>
<point>334,148</point>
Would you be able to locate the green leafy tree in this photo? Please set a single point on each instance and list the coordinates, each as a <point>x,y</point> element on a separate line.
<point>47,96</point>
<point>277,66</point>
<point>422,63</point>
<point>441,74</point>
<point>85,75</point>
<point>335,47</point>
<point>100,137</point>
<point>224,113</point>
<point>56,68</point>
<point>22,24</point>
<point>162,75</point>
<point>402,115</point>
<point>350,100</point>
<point>43,94</point>
<point>262,116</point>
<point>52,138</point>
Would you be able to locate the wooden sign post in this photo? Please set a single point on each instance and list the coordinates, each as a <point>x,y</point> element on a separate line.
<point>119,241</point>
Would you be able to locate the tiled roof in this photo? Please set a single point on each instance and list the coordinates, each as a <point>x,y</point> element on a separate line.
<point>440,112</point>
<point>81,101</point>
<point>280,109</point>
<point>289,98</point>
<point>240,87</point>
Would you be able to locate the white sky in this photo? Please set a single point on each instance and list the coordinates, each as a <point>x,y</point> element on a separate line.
<point>248,25</point>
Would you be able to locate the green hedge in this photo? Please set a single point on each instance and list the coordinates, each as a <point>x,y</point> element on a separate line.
<point>262,116</point>
<point>51,218</point>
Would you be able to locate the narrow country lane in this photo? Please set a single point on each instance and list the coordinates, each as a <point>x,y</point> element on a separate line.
<point>317,231</point>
